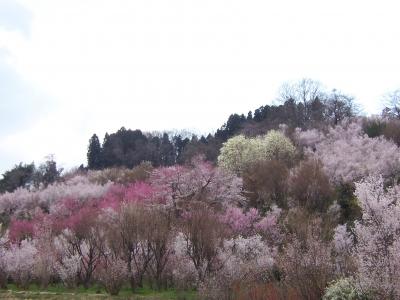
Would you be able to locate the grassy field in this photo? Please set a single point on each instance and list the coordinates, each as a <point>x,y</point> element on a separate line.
<point>59,292</point>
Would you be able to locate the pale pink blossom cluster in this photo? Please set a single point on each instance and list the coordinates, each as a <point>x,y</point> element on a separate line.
<point>20,262</point>
<point>378,238</point>
<point>251,222</point>
<point>202,182</point>
<point>349,155</point>
<point>24,203</point>
<point>246,256</point>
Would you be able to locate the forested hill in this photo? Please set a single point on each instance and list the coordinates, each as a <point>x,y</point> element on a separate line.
<point>294,201</point>
<point>304,104</point>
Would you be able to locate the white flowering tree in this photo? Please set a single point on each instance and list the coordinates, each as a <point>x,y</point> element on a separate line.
<point>378,238</point>
<point>349,155</point>
<point>239,152</point>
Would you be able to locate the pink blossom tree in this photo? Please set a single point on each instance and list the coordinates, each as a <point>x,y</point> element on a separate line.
<point>251,222</point>
<point>378,238</point>
<point>178,185</point>
<point>3,266</point>
<point>20,262</point>
<point>349,155</point>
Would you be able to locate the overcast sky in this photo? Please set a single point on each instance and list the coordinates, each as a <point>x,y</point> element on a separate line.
<point>72,68</point>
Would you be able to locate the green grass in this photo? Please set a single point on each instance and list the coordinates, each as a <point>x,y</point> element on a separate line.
<point>94,292</point>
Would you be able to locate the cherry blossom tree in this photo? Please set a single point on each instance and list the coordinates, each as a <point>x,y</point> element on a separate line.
<point>378,238</point>
<point>244,261</point>
<point>20,262</point>
<point>251,222</point>
<point>3,266</point>
<point>348,155</point>
<point>307,263</point>
<point>177,186</point>
<point>199,240</point>
<point>112,273</point>
<point>23,203</point>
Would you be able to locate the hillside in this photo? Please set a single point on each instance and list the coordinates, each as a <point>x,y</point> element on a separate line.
<point>294,201</point>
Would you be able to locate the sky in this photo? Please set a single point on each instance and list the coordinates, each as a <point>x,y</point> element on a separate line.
<point>71,68</point>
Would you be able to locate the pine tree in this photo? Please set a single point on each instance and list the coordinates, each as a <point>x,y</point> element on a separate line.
<point>94,153</point>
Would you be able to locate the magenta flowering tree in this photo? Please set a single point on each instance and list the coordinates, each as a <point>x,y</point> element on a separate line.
<point>21,229</point>
<point>138,192</point>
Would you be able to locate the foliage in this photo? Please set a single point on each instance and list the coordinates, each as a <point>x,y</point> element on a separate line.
<point>310,186</point>
<point>94,155</point>
<point>285,228</point>
<point>20,176</point>
<point>342,289</point>
<point>121,175</point>
<point>265,184</point>
<point>307,264</point>
<point>239,152</point>
<point>47,173</point>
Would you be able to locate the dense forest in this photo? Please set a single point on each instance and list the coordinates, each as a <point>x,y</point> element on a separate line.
<point>297,200</point>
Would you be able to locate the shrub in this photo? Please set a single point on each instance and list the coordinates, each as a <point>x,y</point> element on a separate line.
<point>310,186</point>
<point>112,274</point>
<point>343,289</point>
<point>307,264</point>
<point>122,175</point>
<point>265,184</point>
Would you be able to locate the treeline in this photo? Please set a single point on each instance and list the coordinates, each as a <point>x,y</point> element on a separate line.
<point>304,104</point>
<point>28,175</point>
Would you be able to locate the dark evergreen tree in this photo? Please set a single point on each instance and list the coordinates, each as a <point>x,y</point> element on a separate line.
<point>94,154</point>
<point>167,151</point>
<point>20,176</point>
<point>47,173</point>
